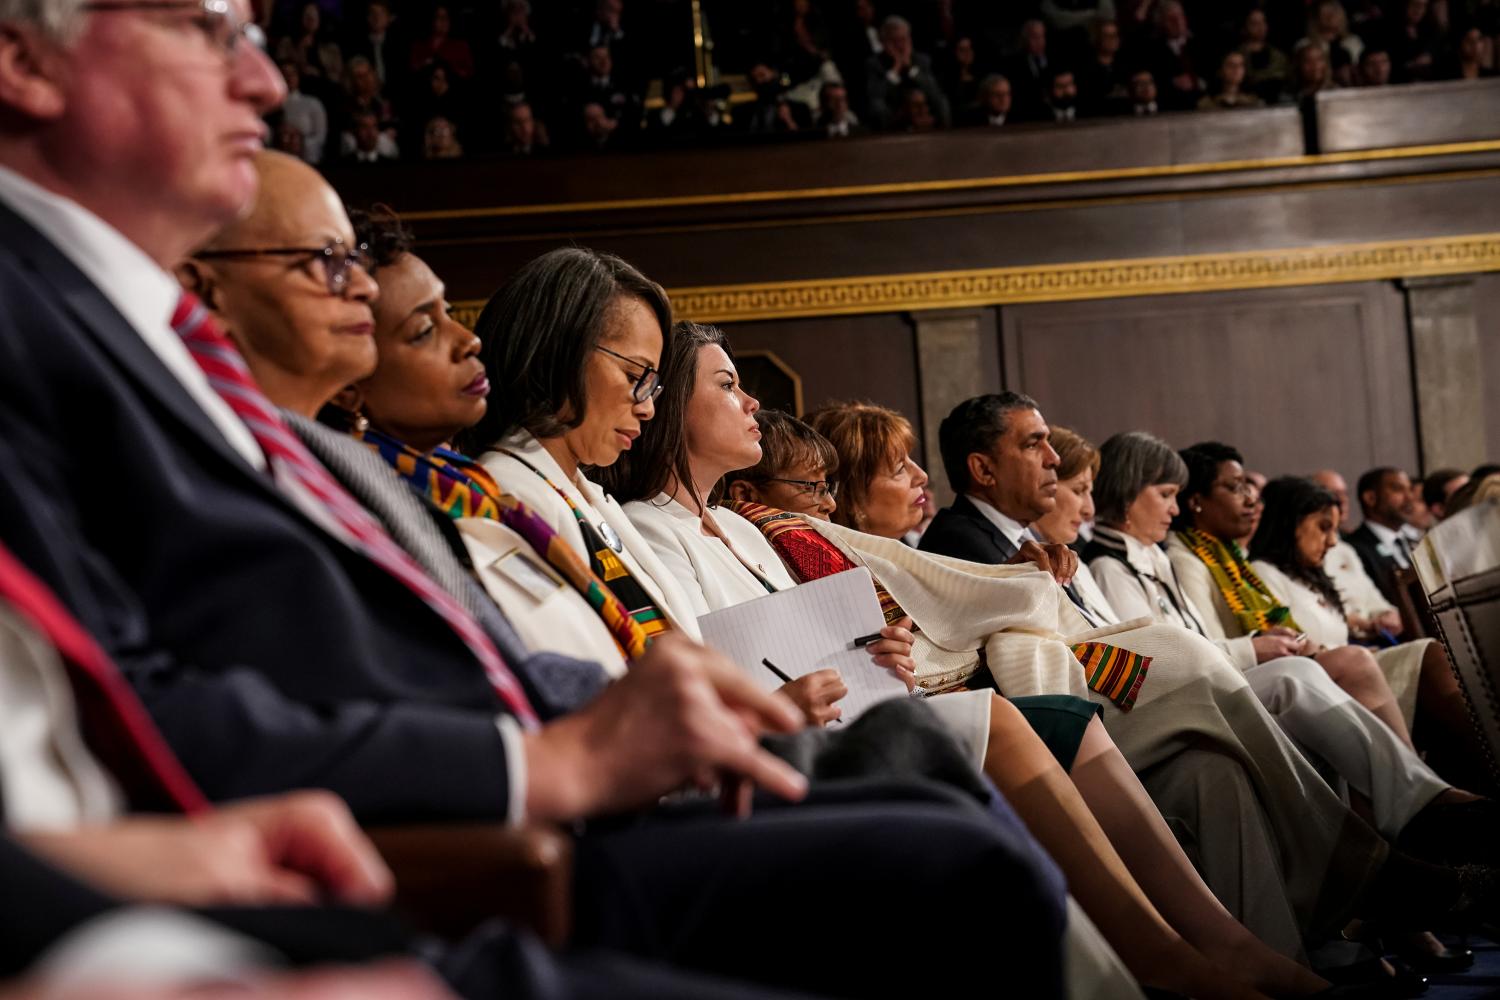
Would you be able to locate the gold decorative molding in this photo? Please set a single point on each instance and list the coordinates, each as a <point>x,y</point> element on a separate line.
<point>958,183</point>
<point>1104,279</point>
<point>1089,280</point>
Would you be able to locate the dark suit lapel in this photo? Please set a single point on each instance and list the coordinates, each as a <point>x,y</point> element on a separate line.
<point>965,507</point>
<point>98,317</point>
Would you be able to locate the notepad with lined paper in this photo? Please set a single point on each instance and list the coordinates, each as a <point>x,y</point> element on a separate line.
<point>806,628</point>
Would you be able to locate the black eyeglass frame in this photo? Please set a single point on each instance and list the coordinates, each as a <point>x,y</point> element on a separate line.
<point>218,20</point>
<point>819,488</point>
<point>647,385</point>
<point>336,258</point>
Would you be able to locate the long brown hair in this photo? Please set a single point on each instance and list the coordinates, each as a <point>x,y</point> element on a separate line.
<point>870,440</point>
<point>660,455</point>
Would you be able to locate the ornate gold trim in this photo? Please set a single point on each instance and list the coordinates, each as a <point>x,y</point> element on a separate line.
<point>1090,280</point>
<point>1103,279</point>
<point>957,184</point>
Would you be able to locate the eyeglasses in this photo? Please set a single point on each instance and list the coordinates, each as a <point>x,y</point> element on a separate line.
<point>1240,488</point>
<point>818,488</point>
<point>216,18</point>
<point>335,259</point>
<point>647,384</point>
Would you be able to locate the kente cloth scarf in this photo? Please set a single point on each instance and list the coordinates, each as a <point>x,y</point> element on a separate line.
<point>1253,604</point>
<point>1112,671</point>
<point>456,484</point>
<point>461,487</point>
<point>625,606</point>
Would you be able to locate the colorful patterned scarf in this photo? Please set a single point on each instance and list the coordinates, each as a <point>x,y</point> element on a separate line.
<point>1254,606</point>
<point>1112,671</point>
<point>620,589</point>
<point>461,487</point>
<point>456,484</point>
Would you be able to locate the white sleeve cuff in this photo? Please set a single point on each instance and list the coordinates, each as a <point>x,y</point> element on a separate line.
<point>515,766</point>
<point>1240,650</point>
<point>150,948</point>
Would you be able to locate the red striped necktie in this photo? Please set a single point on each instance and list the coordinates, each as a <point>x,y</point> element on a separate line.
<point>292,464</point>
<point>114,722</point>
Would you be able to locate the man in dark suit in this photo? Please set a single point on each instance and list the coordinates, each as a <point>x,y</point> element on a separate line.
<point>279,641</point>
<point>998,461</point>
<point>280,851</point>
<point>898,69</point>
<point>1385,499</point>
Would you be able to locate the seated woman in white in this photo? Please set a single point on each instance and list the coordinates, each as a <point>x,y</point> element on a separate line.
<point>1302,518</point>
<point>1216,505</point>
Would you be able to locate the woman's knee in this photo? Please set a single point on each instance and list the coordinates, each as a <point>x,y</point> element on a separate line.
<point>1354,667</point>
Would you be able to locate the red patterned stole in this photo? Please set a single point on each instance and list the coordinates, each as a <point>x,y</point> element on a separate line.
<point>1112,671</point>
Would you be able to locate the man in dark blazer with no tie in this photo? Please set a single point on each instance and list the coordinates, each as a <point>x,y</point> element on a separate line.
<point>1385,500</point>
<point>995,451</point>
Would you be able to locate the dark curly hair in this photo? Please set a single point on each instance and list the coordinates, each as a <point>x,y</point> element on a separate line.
<point>384,235</point>
<point>1288,500</point>
<point>1202,460</point>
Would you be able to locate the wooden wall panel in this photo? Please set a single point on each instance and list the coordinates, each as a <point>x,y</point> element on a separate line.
<point>1370,118</point>
<point>1297,378</point>
<point>1487,312</point>
<point>854,357</point>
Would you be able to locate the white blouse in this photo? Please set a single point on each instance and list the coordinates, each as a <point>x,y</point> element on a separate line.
<point>718,572</point>
<point>1146,582</point>
<point>1356,589</point>
<point>1324,624</point>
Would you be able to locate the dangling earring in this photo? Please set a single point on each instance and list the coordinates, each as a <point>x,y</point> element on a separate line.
<point>358,422</point>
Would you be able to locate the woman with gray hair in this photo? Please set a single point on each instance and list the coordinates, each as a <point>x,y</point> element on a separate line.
<point>1135,499</point>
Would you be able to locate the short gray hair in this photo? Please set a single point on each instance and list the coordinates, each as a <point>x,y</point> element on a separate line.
<point>59,19</point>
<point>1129,463</point>
<point>892,23</point>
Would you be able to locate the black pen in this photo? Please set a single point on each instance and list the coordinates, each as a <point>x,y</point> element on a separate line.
<point>776,670</point>
<point>865,640</point>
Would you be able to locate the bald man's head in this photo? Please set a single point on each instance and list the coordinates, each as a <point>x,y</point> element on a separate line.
<point>1334,483</point>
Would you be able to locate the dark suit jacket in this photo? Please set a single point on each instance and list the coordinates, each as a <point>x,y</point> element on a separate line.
<point>1380,567</point>
<point>962,532</point>
<point>122,496</point>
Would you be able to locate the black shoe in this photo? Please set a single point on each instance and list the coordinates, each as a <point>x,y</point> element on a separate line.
<point>1445,962</point>
<point>1369,979</point>
<point>1454,833</point>
<point>1407,946</point>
